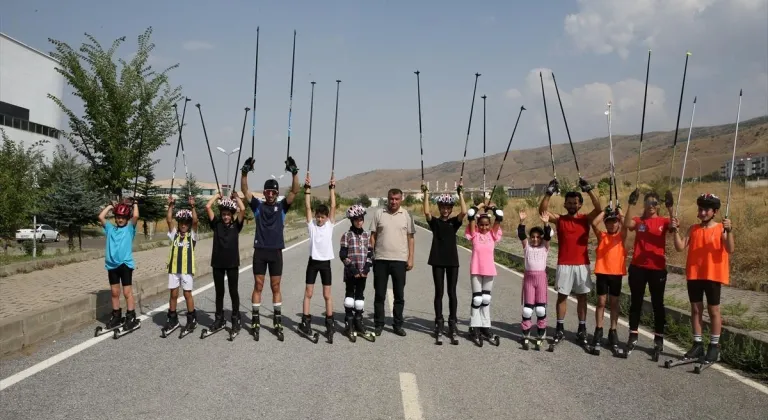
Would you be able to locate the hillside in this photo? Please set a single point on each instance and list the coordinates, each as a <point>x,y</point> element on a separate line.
<point>710,145</point>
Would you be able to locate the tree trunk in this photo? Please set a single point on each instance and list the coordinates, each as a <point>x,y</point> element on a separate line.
<point>146,233</point>
<point>71,239</point>
<point>80,236</point>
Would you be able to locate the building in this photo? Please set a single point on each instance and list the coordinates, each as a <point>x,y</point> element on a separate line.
<point>208,189</point>
<point>27,76</point>
<point>746,166</point>
<point>532,190</point>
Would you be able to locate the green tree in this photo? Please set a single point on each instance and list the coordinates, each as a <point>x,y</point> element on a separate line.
<point>500,198</point>
<point>152,207</point>
<point>19,195</point>
<point>128,112</point>
<point>364,200</point>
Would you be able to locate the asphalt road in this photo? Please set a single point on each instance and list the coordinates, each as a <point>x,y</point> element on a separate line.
<point>144,376</point>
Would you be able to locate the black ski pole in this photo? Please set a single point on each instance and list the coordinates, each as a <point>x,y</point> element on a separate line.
<point>504,159</point>
<point>566,125</point>
<point>311,111</point>
<point>218,187</point>
<point>255,86</point>
<point>642,123</point>
<point>469,125</point>
<point>677,124</point>
<point>549,135</point>
<point>290,101</point>
<point>240,151</point>
<point>335,121</point>
<point>484,98</point>
<point>421,144</point>
<point>138,163</point>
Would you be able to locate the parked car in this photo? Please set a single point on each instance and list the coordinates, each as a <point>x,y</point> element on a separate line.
<point>42,233</point>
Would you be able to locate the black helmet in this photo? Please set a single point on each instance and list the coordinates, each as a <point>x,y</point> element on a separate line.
<point>708,201</point>
<point>271,184</point>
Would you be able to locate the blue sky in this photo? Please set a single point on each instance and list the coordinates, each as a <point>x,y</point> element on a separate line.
<point>597,49</point>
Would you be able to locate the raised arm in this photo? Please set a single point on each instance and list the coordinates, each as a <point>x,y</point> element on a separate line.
<point>730,244</point>
<point>247,195</point>
<point>547,230</point>
<point>332,198</point>
<point>308,198</point>
<point>629,220</point>
<point>195,221</point>
<point>135,217</point>
<point>624,231</point>
<point>587,188</point>
<point>209,206</point>
<point>169,214</point>
<point>425,203</point>
<point>294,189</point>
<point>521,228</point>
<point>103,214</point>
<point>552,188</point>
<point>240,207</point>
<point>462,203</point>
<point>680,242</point>
<point>595,223</point>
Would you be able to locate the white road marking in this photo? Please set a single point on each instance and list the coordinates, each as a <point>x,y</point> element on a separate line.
<point>727,372</point>
<point>45,364</point>
<point>410,393</point>
<point>391,301</point>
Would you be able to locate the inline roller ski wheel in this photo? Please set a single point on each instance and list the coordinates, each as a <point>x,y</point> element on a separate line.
<point>207,333</point>
<point>491,338</point>
<point>330,329</point>
<point>119,332</point>
<point>683,361</point>
<point>474,336</point>
<point>352,335</point>
<point>452,333</point>
<point>556,340</point>
<point>616,351</point>
<point>186,331</point>
<point>526,342</point>
<point>312,336</point>
<point>594,350</point>
<point>164,332</point>
<point>255,328</point>
<point>655,355</point>
<point>104,330</point>
<point>369,336</point>
<point>538,342</point>
<point>700,366</point>
<point>278,330</point>
<point>439,324</point>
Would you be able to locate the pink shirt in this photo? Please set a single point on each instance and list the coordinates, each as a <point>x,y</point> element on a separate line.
<point>536,257</point>
<point>482,262</point>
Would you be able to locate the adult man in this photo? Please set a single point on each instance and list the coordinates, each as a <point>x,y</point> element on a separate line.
<point>573,273</point>
<point>391,245</point>
<point>269,242</point>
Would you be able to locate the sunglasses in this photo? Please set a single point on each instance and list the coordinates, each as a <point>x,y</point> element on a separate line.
<point>652,203</point>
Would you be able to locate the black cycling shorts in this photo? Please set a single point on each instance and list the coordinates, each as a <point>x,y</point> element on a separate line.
<point>264,258</point>
<point>608,284</point>
<point>314,267</point>
<point>698,288</point>
<point>121,275</point>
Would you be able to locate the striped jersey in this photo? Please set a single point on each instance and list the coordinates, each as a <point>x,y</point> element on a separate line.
<point>181,259</point>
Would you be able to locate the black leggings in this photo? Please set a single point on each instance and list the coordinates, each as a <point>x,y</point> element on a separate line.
<point>656,281</point>
<point>440,275</point>
<point>218,282</point>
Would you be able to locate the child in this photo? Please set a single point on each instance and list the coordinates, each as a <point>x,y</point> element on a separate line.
<point>225,257</point>
<point>357,257</point>
<point>707,270</point>
<point>181,263</point>
<point>610,268</point>
<point>320,255</point>
<point>482,267</point>
<point>444,256</point>
<point>118,260</point>
<point>536,250</point>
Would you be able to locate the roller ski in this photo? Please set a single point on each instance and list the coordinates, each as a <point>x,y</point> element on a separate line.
<point>658,347</point>
<point>695,354</point>
<point>439,325</point>
<point>131,324</point>
<point>235,330</point>
<point>452,333</point>
<point>475,336</point>
<point>631,344</point>
<point>255,326</point>
<point>597,343</point>
<point>277,325</point>
<point>116,321</point>
<point>581,336</point>
<point>330,328</point>
<point>305,329</point>
<point>557,339</point>
<point>218,325</point>
<point>171,324</point>
<point>190,326</point>
<point>613,343</point>
<point>349,329</point>
<point>360,328</point>
<point>712,356</point>
<point>486,335</point>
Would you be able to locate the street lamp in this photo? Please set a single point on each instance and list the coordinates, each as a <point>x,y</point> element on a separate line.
<point>229,154</point>
<point>697,161</point>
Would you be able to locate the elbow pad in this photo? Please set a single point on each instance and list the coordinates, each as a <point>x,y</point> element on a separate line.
<point>471,213</point>
<point>521,232</point>
<point>343,252</point>
<point>547,233</point>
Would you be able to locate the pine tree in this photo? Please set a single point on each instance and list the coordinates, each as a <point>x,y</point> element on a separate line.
<point>183,201</point>
<point>152,206</point>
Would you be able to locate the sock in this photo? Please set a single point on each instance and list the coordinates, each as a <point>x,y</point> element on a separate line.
<point>714,339</point>
<point>255,308</point>
<point>560,324</point>
<point>582,323</point>
<point>697,338</point>
<point>278,308</point>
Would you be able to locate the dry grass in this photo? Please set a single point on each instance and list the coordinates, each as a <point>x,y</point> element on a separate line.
<point>749,215</point>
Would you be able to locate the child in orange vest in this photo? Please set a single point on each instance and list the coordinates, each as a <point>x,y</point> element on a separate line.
<point>707,267</point>
<point>610,268</point>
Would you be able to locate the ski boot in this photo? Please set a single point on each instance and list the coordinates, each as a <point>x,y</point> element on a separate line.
<point>541,336</point>
<point>330,328</point>
<point>658,347</point>
<point>235,331</point>
<point>190,326</point>
<point>349,328</point>
<point>277,324</point>
<point>485,332</point>
<point>115,322</point>
<point>581,335</point>
<point>305,329</point>
<point>453,332</point>
<point>527,339</point>
<point>693,355</point>
<point>171,323</point>
<point>255,326</point>
<point>360,328</point>
<point>613,342</point>
<point>597,341</point>
<point>712,356</point>
<point>474,336</point>
<point>439,326</point>
<point>218,325</point>
<point>558,338</point>
<point>631,344</point>
<point>131,324</point>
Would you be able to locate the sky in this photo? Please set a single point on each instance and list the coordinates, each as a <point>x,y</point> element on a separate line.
<point>597,49</point>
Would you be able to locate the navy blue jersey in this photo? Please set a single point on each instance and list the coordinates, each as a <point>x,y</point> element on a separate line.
<point>270,221</point>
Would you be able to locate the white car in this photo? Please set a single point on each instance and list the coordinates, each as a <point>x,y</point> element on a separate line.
<point>43,233</point>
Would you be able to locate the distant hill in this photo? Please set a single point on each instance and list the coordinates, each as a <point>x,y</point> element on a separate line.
<point>711,146</point>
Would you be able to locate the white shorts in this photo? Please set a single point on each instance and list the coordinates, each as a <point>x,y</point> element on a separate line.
<point>183,280</point>
<point>573,278</point>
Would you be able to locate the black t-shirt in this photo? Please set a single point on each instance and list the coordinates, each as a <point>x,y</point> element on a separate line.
<point>444,252</point>
<point>226,245</point>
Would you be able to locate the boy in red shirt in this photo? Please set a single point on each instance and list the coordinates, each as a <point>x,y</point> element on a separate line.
<point>573,273</point>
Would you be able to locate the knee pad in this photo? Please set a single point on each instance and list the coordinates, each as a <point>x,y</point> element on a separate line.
<point>359,305</point>
<point>527,312</point>
<point>541,311</point>
<point>477,300</point>
<point>486,298</point>
<point>349,302</point>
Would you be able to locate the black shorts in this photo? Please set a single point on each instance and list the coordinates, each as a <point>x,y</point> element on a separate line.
<point>698,288</point>
<point>264,258</point>
<point>322,267</point>
<point>121,275</point>
<point>608,284</point>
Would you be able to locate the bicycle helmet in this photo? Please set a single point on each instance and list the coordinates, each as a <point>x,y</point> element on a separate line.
<point>184,215</point>
<point>123,210</point>
<point>708,201</point>
<point>355,211</point>
<point>271,184</point>
<point>227,204</point>
<point>445,200</point>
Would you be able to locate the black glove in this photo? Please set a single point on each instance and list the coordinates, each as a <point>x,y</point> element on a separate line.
<point>585,187</point>
<point>668,200</point>
<point>368,262</point>
<point>290,166</point>
<point>499,214</point>
<point>521,232</point>
<point>471,213</point>
<point>547,232</point>
<point>332,186</point>
<point>553,187</point>
<point>633,197</point>
<point>307,186</point>
<point>459,189</point>
<point>248,167</point>
<point>424,188</point>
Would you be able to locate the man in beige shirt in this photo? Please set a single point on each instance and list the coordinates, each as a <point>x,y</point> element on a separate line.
<point>392,231</point>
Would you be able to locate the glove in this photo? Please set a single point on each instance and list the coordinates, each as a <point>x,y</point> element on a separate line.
<point>471,213</point>
<point>290,166</point>
<point>585,187</point>
<point>547,232</point>
<point>633,197</point>
<point>350,271</point>
<point>332,186</point>
<point>248,167</point>
<point>368,262</point>
<point>459,189</point>
<point>668,200</point>
<point>521,232</point>
<point>553,187</point>
<point>499,214</point>
<point>307,186</point>
<point>424,188</point>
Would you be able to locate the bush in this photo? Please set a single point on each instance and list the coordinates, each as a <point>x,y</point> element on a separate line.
<point>28,245</point>
<point>364,200</point>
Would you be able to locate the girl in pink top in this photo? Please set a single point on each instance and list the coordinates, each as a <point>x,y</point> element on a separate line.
<point>482,267</point>
<point>536,250</point>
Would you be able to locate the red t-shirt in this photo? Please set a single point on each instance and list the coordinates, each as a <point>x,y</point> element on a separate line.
<point>572,240</point>
<point>650,242</point>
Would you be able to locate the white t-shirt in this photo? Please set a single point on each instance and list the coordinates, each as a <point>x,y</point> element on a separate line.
<point>321,241</point>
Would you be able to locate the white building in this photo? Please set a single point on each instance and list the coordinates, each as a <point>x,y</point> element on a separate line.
<point>27,76</point>
<point>746,166</point>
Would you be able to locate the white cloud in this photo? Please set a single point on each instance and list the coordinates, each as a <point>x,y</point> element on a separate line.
<point>197,45</point>
<point>512,93</point>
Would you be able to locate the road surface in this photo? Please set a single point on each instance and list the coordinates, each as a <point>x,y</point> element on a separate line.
<point>144,376</point>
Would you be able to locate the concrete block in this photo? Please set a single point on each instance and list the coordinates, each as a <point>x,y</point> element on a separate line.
<point>41,333</point>
<point>42,319</point>
<point>11,329</point>
<point>11,345</point>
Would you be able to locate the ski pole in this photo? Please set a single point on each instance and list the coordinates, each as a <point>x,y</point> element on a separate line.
<point>484,98</point>
<point>685,159</point>
<point>549,135</point>
<point>733,160</point>
<point>466,142</point>
<point>218,187</point>
<point>677,124</point>
<point>566,126</point>
<point>504,159</point>
<point>311,109</point>
<point>421,144</point>
<point>138,162</point>
<point>178,142</point>
<point>335,122</point>
<point>240,151</point>
<point>255,86</point>
<point>642,123</point>
<point>290,101</point>
<point>611,175</point>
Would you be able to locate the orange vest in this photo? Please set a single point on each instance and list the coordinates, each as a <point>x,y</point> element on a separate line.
<point>611,254</point>
<point>707,257</point>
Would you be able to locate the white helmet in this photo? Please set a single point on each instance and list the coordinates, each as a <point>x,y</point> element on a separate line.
<point>184,215</point>
<point>355,211</point>
<point>227,204</point>
<point>445,200</point>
